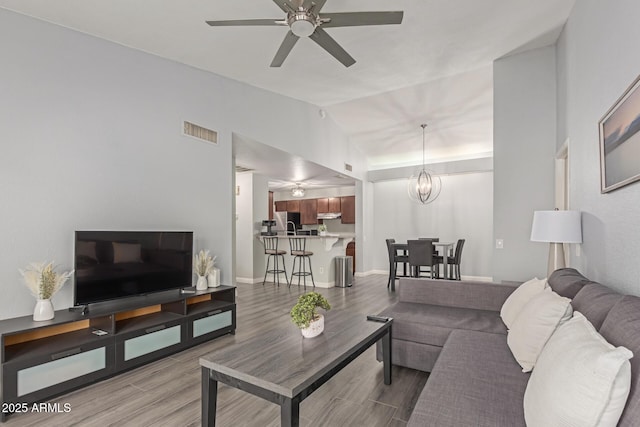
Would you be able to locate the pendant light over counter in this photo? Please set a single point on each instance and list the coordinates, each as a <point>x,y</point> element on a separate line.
<point>425,187</point>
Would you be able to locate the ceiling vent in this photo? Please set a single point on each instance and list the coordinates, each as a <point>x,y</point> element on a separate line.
<point>203,134</point>
<point>348,167</point>
<point>240,169</point>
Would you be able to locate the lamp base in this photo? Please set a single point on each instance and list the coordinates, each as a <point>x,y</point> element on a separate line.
<point>556,258</point>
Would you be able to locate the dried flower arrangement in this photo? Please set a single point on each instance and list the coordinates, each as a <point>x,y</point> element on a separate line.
<point>42,280</point>
<point>203,263</point>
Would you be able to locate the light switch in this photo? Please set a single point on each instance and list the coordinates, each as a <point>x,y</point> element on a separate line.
<point>499,244</point>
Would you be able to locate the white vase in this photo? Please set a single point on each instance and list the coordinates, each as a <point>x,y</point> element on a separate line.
<point>43,310</point>
<point>213,279</point>
<point>315,328</point>
<point>322,233</point>
<point>201,284</point>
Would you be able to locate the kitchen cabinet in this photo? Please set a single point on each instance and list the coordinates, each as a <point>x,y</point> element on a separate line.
<point>293,206</point>
<point>270,205</point>
<point>323,205</point>
<point>281,206</point>
<point>309,211</point>
<point>334,204</point>
<point>351,251</point>
<point>348,209</point>
<point>329,205</point>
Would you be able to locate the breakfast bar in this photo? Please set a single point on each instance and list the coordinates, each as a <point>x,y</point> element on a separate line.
<point>325,249</point>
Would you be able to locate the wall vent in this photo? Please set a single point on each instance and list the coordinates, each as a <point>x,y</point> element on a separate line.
<point>348,167</point>
<point>203,134</point>
<point>240,169</point>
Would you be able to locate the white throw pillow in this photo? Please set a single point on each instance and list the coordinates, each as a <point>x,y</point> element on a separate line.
<point>535,324</point>
<point>580,380</point>
<point>519,297</point>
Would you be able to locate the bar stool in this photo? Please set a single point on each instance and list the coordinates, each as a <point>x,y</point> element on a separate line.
<point>272,251</point>
<point>298,250</point>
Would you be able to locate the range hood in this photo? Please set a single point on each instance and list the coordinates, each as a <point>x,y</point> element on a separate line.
<point>330,215</point>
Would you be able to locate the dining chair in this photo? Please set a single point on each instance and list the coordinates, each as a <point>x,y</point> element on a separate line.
<point>421,255</point>
<point>394,260</point>
<point>454,261</point>
<point>435,252</point>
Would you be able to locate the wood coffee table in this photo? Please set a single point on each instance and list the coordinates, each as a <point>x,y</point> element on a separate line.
<point>284,368</point>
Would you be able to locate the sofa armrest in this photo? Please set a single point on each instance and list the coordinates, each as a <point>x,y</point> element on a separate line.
<point>453,293</point>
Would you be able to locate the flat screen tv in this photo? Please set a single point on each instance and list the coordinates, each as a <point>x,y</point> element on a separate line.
<point>121,264</point>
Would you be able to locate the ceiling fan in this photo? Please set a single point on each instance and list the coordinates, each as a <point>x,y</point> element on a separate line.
<point>304,20</point>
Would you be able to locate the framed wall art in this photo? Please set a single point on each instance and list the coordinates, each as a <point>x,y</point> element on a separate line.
<point>620,141</point>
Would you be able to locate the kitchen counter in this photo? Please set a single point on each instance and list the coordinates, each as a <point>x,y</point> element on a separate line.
<point>325,249</point>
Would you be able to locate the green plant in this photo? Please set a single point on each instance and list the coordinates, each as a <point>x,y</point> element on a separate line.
<point>305,309</point>
<point>322,227</point>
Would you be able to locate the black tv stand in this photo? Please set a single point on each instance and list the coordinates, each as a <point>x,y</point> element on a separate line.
<point>132,333</point>
<point>83,309</point>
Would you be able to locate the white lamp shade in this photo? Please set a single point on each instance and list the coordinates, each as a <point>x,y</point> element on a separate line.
<point>557,227</point>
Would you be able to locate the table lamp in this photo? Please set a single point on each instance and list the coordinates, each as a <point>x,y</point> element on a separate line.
<point>556,227</point>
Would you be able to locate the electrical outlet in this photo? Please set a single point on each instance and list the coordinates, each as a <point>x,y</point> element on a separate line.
<point>499,244</point>
<point>321,270</point>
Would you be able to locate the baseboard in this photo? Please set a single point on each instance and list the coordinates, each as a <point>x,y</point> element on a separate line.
<point>386,273</point>
<point>478,278</point>
<point>372,272</point>
<point>248,280</point>
<point>309,285</point>
<point>323,285</point>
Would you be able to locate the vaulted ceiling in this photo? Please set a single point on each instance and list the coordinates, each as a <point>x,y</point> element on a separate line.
<point>435,67</point>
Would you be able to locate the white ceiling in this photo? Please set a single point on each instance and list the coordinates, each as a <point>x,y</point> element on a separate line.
<point>435,67</point>
<point>284,169</point>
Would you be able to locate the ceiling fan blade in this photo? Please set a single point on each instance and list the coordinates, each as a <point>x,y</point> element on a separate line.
<point>246,22</point>
<point>325,41</point>
<point>286,5</point>
<point>317,5</point>
<point>352,19</point>
<point>287,44</point>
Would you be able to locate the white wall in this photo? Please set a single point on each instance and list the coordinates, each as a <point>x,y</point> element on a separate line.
<point>524,149</point>
<point>90,135</point>
<point>597,60</point>
<point>245,229</point>
<point>462,211</point>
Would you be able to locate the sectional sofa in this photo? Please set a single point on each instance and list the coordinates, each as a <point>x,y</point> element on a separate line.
<point>453,330</point>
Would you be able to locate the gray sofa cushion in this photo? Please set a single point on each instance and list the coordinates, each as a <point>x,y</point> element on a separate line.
<point>621,328</point>
<point>567,282</point>
<point>412,355</point>
<point>452,293</point>
<point>594,301</point>
<point>432,324</point>
<point>475,382</point>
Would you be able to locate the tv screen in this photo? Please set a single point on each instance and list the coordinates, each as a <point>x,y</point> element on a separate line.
<point>120,264</point>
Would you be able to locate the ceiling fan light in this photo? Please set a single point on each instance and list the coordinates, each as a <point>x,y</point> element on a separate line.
<point>302,27</point>
<point>297,191</point>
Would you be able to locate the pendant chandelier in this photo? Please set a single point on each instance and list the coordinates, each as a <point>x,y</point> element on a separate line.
<point>425,187</point>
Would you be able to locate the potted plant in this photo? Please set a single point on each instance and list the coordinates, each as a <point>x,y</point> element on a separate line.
<point>304,314</point>
<point>322,230</point>
<point>202,266</point>
<point>44,282</point>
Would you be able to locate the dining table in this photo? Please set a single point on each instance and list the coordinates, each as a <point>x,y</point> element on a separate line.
<point>444,248</point>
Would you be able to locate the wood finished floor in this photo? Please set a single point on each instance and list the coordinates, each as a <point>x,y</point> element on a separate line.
<point>167,392</point>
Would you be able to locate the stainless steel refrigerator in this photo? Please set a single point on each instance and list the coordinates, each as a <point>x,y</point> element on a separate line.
<point>287,222</point>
